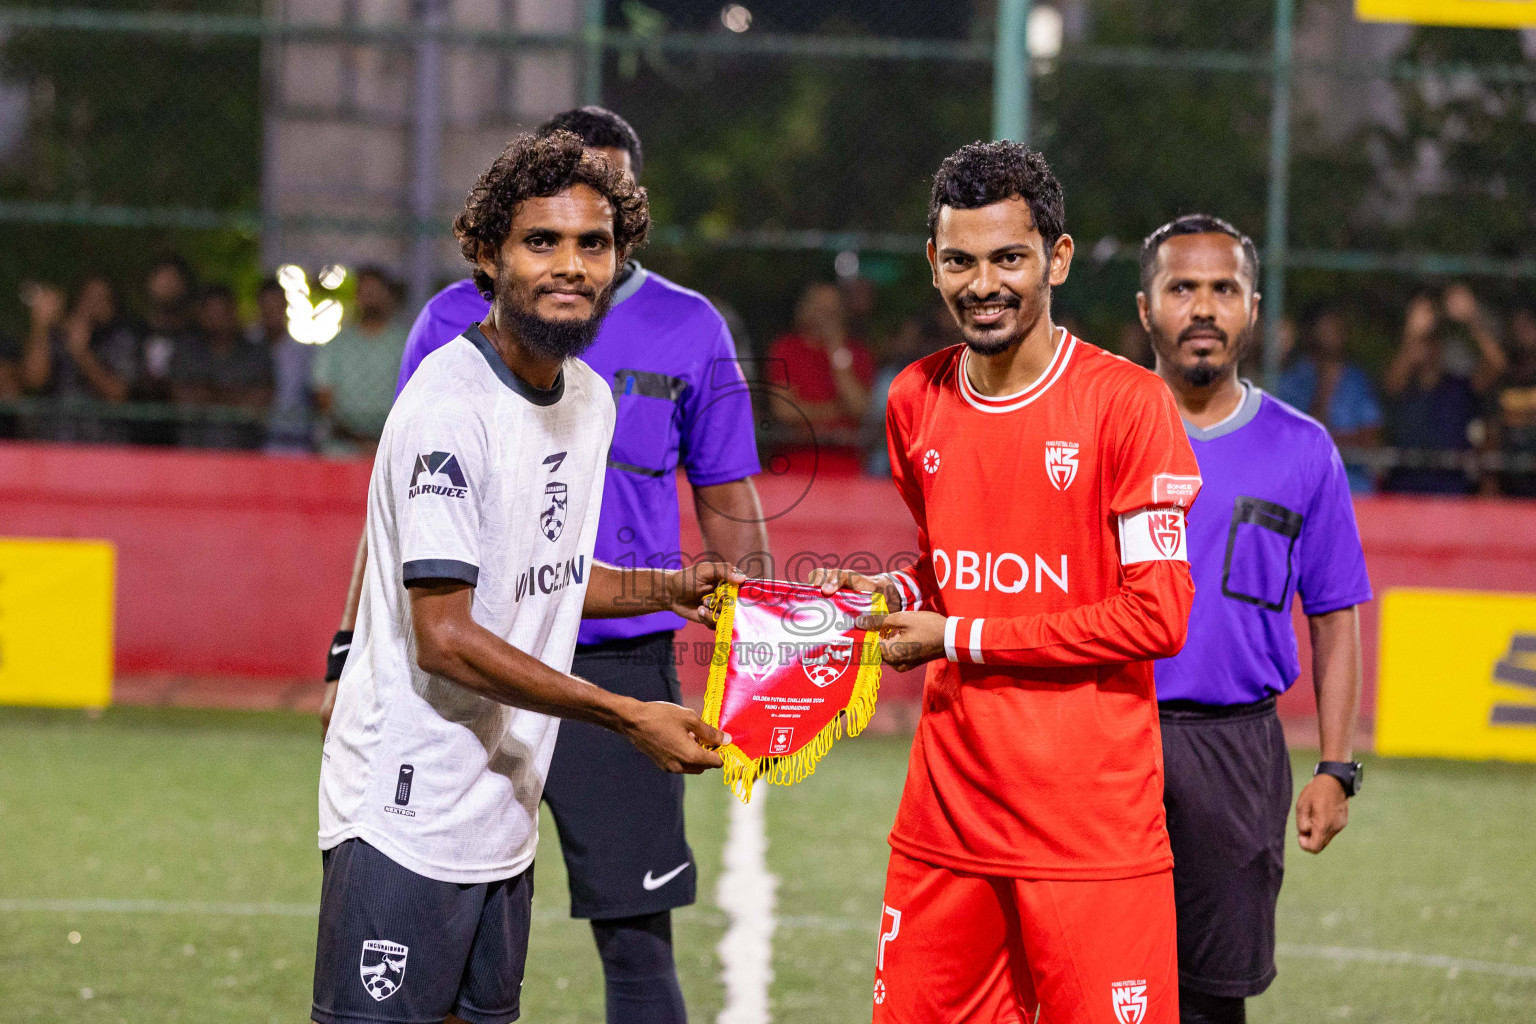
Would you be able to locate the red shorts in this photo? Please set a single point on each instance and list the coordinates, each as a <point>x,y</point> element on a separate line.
<point>958,948</point>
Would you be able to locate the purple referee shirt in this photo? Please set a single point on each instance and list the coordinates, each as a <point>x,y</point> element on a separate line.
<point>681,401</point>
<point>1273,520</point>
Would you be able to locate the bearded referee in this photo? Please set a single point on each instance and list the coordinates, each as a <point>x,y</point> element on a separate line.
<point>1274,521</point>
<point>670,363</point>
<point>482,517</point>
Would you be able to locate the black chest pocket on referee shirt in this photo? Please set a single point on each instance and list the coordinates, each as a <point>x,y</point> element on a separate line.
<point>645,432</point>
<point>1261,547</point>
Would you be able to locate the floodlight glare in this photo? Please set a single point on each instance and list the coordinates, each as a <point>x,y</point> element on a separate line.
<point>735,17</point>
<point>1045,31</point>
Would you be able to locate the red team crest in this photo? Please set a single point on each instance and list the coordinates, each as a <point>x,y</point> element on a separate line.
<point>825,665</point>
<point>1061,463</point>
<point>1129,999</point>
<point>1167,529</point>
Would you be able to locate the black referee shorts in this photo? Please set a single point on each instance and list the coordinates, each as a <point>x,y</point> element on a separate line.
<point>620,817</point>
<point>1227,793</point>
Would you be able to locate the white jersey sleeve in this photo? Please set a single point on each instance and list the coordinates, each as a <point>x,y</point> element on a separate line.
<point>446,470</point>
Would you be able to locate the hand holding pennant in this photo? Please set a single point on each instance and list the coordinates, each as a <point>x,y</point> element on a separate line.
<point>791,670</point>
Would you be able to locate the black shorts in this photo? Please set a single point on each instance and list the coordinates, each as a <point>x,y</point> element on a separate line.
<point>398,948</point>
<point>1227,794</point>
<point>620,817</point>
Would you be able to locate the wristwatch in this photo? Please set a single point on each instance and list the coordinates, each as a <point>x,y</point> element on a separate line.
<point>1347,772</point>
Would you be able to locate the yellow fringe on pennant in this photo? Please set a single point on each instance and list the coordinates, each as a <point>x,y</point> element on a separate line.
<point>742,771</point>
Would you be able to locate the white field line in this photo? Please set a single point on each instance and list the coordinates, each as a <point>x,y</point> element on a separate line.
<point>1451,965</point>
<point>746,950</point>
<point>201,907</point>
<point>746,892</point>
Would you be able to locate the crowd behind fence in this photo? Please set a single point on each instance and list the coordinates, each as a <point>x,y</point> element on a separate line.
<point>786,145</point>
<point>183,364</point>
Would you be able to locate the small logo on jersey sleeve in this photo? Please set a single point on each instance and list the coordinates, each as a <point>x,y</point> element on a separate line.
<point>1170,489</point>
<point>383,967</point>
<point>1129,1000</point>
<point>931,461</point>
<point>1061,463</point>
<point>437,473</point>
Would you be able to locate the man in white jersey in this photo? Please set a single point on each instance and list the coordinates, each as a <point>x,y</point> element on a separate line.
<point>482,514</point>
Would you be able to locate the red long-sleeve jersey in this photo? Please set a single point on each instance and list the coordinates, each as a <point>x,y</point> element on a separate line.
<point>1051,535</point>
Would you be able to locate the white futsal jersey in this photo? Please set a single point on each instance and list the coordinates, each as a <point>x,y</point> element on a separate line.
<point>481,478</point>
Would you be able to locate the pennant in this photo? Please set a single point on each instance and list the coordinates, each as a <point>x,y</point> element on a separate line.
<point>790,673</point>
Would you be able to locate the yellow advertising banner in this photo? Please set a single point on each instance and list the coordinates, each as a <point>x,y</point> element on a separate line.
<point>1467,13</point>
<point>1457,676</point>
<point>56,605</point>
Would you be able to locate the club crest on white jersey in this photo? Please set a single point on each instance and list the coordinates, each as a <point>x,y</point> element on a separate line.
<point>1061,463</point>
<point>383,967</point>
<point>1129,999</point>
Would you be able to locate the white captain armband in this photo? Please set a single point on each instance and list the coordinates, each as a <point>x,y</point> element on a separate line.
<point>1152,535</point>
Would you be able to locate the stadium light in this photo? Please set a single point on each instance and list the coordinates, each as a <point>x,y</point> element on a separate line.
<point>332,276</point>
<point>736,17</point>
<point>309,324</point>
<point>1045,32</point>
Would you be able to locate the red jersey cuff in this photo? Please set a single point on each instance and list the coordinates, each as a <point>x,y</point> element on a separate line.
<point>911,594</point>
<point>962,640</point>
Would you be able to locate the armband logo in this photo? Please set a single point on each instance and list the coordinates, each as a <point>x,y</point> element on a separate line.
<point>1167,529</point>
<point>443,476</point>
<point>1153,535</point>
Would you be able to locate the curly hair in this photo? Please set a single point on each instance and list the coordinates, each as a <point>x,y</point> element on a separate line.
<point>534,167</point>
<point>984,173</point>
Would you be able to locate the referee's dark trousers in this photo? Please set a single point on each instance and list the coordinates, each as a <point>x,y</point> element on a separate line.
<point>1227,793</point>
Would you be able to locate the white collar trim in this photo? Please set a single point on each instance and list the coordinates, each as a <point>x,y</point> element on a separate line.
<point>1019,399</point>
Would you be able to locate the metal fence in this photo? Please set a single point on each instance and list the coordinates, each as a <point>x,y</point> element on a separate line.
<point>785,141</point>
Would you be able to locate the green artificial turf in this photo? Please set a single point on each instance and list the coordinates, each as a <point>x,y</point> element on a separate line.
<point>193,834</point>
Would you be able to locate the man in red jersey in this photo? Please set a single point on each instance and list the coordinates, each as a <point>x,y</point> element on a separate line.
<point>1030,877</point>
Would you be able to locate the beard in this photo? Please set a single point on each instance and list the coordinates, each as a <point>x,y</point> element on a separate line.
<point>548,339</point>
<point>1205,371</point>
<point>1027,312</point>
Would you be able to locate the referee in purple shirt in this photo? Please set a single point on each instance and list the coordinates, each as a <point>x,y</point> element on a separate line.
<point>1273,520</point>
<point>681,402</point>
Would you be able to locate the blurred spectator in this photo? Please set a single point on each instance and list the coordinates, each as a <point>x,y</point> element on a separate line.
<point>77,356</point>
<point>1334,391</point>
<point>219,366</point>
<point>1515,403</point>
<point>288,420</point>
<point>167,326</point>
<point>10,382</point>
<point>355,372</point>
<point>859,298</point>
<point>915,338</point>
<point>829,373</point>
<point>1433,409</point>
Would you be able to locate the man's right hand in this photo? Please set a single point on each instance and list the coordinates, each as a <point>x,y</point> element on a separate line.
<point>832,580</point>
<point>674,737</point>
